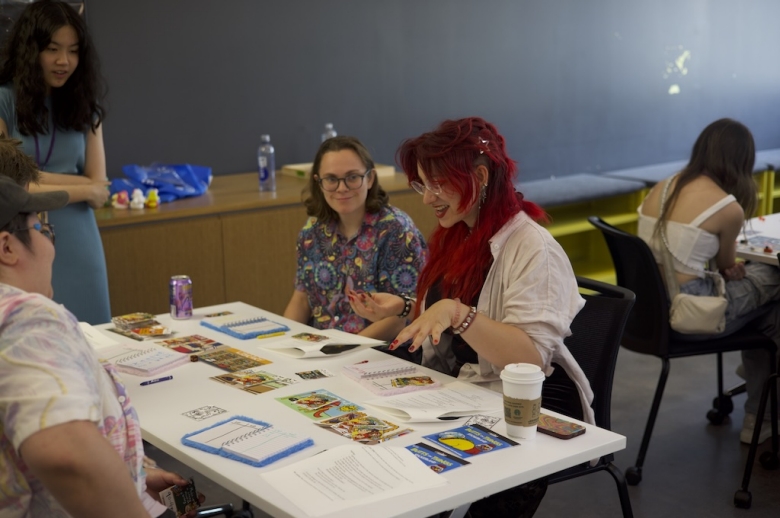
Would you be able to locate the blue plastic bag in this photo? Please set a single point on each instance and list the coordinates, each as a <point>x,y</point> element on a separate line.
<point>172,181</point>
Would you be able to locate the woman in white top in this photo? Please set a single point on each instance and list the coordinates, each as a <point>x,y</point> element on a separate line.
<point>705,210</point>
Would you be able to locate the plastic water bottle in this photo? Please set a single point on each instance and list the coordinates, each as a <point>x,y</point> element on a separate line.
<point>266,166</point>
<point>329,132</point>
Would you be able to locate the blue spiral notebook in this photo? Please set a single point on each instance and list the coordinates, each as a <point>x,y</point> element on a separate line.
<point>246,440</point>
<point>244,326</point>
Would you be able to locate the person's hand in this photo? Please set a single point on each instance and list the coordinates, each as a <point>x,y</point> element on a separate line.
<point>374,306</point>
<point>97,193</point>
<point>433,322</point>
<point>734,272</point>
<point>159,479</point>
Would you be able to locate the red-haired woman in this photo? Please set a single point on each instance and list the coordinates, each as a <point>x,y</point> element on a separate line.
<point>497,288</point>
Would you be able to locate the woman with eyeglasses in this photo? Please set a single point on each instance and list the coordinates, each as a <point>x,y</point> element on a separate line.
<point>354,243</point>
<point>497,288</point>
<point>51,96</point>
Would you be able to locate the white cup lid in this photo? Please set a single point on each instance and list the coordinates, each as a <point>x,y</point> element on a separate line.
<point>522,372</point>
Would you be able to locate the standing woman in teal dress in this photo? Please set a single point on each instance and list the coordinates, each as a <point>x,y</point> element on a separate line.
<point>51,95</point>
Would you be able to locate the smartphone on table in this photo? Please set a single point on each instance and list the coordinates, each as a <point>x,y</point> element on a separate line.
<point>557,427</point>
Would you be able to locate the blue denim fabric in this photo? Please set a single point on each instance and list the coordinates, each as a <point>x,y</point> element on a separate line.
<point>756,294</point>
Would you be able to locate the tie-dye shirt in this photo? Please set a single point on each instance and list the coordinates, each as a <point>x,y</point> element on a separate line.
<point>386,255</point>
<point>49,375</point>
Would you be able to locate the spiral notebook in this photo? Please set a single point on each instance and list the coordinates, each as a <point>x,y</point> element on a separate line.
<point>150,361</point>
<point>244,326</point>
<point>379,369</point>
<point>389,377</point>
<point>246,440</point>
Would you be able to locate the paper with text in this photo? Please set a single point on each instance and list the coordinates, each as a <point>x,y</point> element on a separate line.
<point>351,475</point>
<point>456,399</point>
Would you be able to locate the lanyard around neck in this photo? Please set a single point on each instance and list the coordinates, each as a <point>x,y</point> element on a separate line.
<point>51,147</point>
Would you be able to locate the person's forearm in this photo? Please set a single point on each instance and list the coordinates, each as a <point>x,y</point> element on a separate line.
<point>76,193</point>
<point>83,472</point>
<point>499,343</point>
<point>63,179</point>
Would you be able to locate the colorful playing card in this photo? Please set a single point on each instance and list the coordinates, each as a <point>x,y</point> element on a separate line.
<point>319,404</point>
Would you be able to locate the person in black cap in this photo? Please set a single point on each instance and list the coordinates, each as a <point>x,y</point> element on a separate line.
<point>70,440</point>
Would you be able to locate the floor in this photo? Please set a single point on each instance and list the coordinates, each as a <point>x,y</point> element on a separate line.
<point>692,468</point>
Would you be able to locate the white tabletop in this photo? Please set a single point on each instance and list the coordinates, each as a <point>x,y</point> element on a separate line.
<point>761,232</point>
<point>161,407</point>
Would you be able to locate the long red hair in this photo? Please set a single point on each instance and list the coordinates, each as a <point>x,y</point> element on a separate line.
<point>450,155</point>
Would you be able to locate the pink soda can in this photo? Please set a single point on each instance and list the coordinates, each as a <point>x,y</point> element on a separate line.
<point>181,297</point>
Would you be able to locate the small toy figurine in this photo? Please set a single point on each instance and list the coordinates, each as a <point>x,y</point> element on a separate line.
<point>768,249</point>
<point>138,199</point>
<point>120,200</point>
<point>152,199</point>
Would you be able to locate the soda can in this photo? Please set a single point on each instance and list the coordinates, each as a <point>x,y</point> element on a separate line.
<point>181,297</point>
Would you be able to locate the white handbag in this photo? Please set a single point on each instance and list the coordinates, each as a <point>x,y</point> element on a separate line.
<point>692,314</point>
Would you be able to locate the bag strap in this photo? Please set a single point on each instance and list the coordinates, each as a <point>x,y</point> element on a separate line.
<point>672,286</point>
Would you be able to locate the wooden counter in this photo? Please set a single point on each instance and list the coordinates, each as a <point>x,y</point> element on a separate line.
<point>235,242</point>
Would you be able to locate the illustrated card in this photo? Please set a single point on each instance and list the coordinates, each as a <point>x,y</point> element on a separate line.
<point>468,441</point>
<point>319,404</point>
<point>231,360</point>
<point>488,421</point>
<point>439,461</point>
<point>126,333</point>
<point>315,374</point>
<point>134,320</point>
<point>190,344</point>
<point>254,381</point>
<point>311,337</point>
<point>204,412</point>
<point>363,428</point>
<point>219,314</point>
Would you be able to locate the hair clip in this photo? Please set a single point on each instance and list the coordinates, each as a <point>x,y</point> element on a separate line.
<point>484,143</point>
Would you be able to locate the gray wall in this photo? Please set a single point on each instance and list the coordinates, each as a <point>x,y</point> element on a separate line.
<point>574,85</point>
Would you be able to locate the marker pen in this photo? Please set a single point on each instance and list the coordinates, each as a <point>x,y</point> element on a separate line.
<point>158,380</point>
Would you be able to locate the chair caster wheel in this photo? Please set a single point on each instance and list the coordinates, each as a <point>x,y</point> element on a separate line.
<point>728,405</point>
<point>716,417</point>
<point>769,460</point>
<point>633,475</point>
<point>743,499</point>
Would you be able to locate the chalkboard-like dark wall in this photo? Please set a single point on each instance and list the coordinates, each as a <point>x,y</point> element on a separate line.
<point>575,86</point>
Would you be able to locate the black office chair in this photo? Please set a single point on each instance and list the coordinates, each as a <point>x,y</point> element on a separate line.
<point>648,331</point>
<point>594,343</point>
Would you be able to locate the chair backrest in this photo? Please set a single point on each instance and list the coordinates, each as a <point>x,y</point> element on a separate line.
<point>647,330</point>
<point>596,333</point>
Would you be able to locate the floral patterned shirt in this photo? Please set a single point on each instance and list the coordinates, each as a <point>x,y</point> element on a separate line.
<point>49,375</point>
<point>386,255</point>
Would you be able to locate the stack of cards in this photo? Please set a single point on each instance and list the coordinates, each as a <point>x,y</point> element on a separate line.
<point>139,326</point>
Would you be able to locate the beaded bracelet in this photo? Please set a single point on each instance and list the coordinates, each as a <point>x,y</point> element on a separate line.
<point>467,322</point>
<point>407,307</point>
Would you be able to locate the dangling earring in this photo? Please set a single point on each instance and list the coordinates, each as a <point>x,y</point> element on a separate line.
<point>482,195</point>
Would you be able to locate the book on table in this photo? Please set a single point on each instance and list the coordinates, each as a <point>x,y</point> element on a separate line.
<point>146,362</point>
<point>389,377</point>
<point>247,440</point>
<point>244,326</point>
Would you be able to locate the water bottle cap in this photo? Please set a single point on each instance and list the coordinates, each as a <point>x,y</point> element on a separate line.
<point>328,125</point>
<point>265,138</point>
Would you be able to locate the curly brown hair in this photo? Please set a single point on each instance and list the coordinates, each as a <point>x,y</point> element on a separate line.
<point>315,203</point>
<point>15,164</point>
<point>78,104</point>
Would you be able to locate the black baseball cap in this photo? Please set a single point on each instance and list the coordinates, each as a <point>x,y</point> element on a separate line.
<point>15,199</point>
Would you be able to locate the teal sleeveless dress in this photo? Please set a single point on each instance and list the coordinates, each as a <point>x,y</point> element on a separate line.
<point>79,275</point>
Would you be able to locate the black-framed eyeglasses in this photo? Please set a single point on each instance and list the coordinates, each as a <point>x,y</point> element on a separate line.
<point>352,181</point>
<point>47,229</point>
<point>420,187</point>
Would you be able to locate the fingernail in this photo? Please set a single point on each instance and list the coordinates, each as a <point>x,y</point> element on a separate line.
<point>394,342</point>
<point>351,297</point>
<point>436,341</point>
